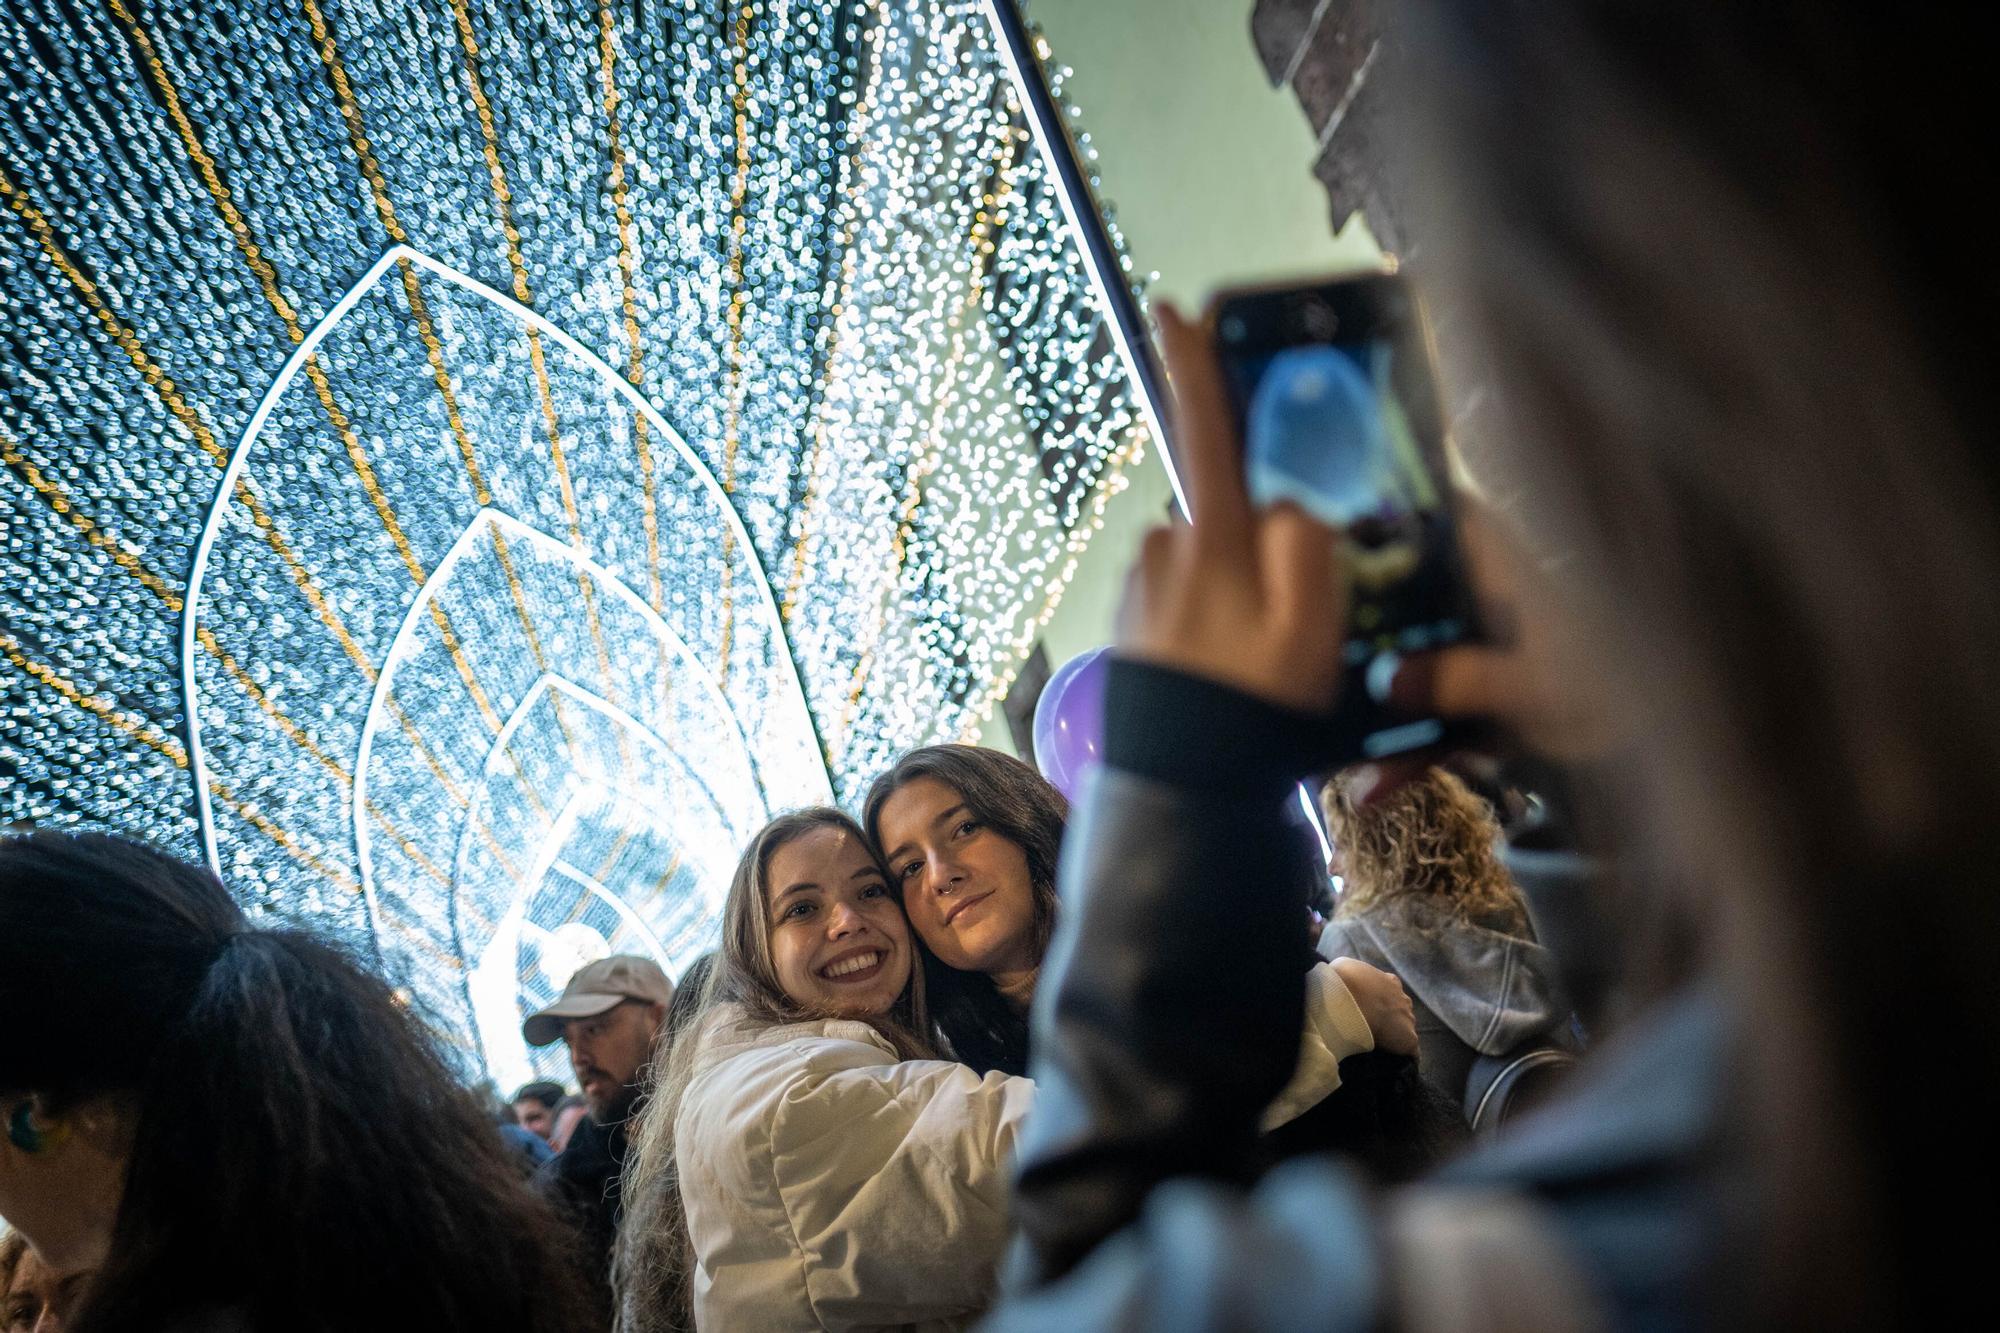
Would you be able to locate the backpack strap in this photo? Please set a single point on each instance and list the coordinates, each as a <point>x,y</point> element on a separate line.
<point>1491,1082</point>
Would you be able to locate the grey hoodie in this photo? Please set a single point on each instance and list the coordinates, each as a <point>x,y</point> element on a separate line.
<point>1477,988</point>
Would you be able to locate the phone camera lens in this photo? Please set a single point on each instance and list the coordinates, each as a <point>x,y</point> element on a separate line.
<point>1317,319</point>
<point>1231,328</point>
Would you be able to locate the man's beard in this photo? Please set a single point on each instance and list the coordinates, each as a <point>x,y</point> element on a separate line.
<point>618,1107</point>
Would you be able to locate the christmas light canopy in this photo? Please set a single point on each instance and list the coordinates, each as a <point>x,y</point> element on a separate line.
<point>468,463</point>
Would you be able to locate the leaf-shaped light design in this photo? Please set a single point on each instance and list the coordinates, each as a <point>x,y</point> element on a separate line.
<point>819,239</point>
<point>634,858</point>
<point>710,714</point>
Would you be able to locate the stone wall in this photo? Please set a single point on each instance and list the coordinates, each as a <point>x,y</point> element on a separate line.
<point>1333,53</point>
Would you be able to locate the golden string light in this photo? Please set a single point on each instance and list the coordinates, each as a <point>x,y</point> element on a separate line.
<point>878,418</point>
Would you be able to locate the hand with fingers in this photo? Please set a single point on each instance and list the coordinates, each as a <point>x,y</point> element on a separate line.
<point>1514,680</point>
<point>1257,600</point>
<point>1251,599</point>
<point>1383,1002</point>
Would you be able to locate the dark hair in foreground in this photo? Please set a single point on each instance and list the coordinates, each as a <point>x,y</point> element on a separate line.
<point>1732,266</point>
<point>301,1153</point>
<point>985,1031</point>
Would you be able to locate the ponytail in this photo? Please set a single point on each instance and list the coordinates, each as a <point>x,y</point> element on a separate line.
<point>301,1154</point>
<point>652,1266</point>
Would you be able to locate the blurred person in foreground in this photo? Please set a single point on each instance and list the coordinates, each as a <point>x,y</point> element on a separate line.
<point>216,1121</point>
<point>1741,564</point>
<point>609,1016</point>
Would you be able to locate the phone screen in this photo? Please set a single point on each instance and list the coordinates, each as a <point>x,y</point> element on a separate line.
<point>1338,410</point>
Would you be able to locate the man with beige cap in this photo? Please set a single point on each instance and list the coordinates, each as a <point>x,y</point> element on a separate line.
<point>609,1015</point>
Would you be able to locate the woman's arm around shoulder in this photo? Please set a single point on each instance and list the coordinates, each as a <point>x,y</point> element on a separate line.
<point>895,1178</point>
<point>1335,1028</point>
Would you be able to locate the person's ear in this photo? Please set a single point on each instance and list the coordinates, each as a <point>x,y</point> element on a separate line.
<point>31,1129</point>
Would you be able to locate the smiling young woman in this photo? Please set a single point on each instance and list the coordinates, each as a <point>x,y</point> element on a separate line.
<point>807,1161</point>
<point>970,838</point>
<point>837,937</point>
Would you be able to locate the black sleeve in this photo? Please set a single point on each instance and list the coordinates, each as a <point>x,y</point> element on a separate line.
<point>1168,1016</point>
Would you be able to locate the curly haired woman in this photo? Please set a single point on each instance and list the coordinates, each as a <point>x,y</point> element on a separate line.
<point>1428,899</point>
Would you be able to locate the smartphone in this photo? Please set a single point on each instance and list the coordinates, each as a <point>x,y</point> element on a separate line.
<point>1337,408</point>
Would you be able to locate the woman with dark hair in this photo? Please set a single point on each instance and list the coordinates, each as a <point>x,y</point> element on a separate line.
<point>982,949</point>
<point>236,1128</point>
<point>971,837</point>
<point>1733,277</point>
<point>807,1160</point>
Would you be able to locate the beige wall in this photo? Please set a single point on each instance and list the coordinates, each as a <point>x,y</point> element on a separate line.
<point>1208,169</point>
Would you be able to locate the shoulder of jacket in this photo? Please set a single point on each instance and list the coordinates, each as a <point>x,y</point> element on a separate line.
<point>1337,938</point>
<point>772,1064</point>
<point>729,1032</point>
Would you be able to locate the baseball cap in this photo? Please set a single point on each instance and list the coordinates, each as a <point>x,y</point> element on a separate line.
<point>595,989</point>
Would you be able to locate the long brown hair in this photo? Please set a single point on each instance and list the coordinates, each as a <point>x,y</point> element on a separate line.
<point>1431,840</point>
<point>653,1269</point>
<point>983,1027</point>
<point>1729,265</point>
<point>273,1081</point>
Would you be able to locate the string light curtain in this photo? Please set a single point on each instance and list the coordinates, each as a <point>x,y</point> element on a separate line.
<point>467,462</point>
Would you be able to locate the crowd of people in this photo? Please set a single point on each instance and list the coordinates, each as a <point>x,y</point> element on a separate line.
<point>1620,1022</point>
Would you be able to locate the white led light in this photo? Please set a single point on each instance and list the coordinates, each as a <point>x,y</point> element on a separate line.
<point>498,464</point>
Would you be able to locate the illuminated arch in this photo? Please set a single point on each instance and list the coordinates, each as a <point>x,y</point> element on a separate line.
<point>493,520</point>
<point>238,458</point>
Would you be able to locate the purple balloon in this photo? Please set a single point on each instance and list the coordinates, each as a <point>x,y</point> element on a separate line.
<point>1069,720</point>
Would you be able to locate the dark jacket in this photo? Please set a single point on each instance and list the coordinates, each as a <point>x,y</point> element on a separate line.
<point>1162,1027</point>
<point>583,1181</point>
<point>1478,987</point>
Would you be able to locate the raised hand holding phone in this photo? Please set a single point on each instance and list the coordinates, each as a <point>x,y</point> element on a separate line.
<point>1254,599</point>
<point>1515,681</point>
<point>1332,383</point>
